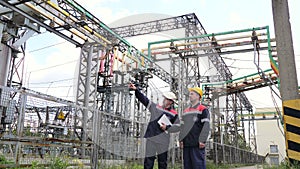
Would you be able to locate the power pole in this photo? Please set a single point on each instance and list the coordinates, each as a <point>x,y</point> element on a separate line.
<point>288,78</point>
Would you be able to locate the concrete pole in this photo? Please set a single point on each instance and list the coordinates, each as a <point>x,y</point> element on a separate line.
<point>288,79</point>
<point>285,50</point>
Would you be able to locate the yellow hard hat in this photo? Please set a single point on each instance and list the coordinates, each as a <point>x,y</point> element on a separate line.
<point>197,90</point>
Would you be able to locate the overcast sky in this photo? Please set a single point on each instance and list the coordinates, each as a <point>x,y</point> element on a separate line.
<point>51,69</point>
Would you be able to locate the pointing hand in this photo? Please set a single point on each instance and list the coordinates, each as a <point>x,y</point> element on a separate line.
<point>132,86</point>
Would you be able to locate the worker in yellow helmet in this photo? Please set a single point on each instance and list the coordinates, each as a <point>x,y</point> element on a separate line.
<point>194,131</point>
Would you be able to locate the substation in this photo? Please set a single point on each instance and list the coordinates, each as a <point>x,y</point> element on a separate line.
<point>106,123</point>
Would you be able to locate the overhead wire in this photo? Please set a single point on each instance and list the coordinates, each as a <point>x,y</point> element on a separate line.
<point>239,68</point>
<point>67,96</point>
<point>40,33</point>
<point>278,113</point>
<point>249,60</point>
<point>61,80</point>
<point>263,76</point>
<point>259,70</point>
<point>53,86</point>
<point>234,74</point>
<point>257,103</point>
<point>62,64</point>
<point>46,47</point>
<point>157,89</point>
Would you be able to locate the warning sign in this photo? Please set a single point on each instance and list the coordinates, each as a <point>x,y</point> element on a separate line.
<point>61,115</point>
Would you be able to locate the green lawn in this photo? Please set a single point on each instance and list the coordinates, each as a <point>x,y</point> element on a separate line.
<point>63,163</point>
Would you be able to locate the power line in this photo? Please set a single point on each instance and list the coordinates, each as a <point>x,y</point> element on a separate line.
<point>52,86</point>
<point>54,66</point>
<point>40,33</point>
<point>66,96</point>
<point>249,60</point>
<point>53,81</point>
<point>243,60</point>
<point>260,103</point>
<point>46,47</point>
<point>233,67</point>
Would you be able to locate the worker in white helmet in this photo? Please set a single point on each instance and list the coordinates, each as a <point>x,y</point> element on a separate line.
<point>157,140</point>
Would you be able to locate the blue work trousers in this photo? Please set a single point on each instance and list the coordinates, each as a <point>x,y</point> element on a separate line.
<point>153,149</point>
<point>194,158</point>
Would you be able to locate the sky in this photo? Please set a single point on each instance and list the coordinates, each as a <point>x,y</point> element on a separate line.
<point>51,61</point>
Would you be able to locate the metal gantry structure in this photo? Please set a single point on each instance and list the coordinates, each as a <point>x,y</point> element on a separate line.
<point>106,122</point>
<point>255,40</point>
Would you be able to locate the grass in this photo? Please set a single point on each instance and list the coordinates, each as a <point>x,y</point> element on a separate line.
<point>283,165</point>
<point>63,163</point>
<point>3,160</point>
<point>176,166</point>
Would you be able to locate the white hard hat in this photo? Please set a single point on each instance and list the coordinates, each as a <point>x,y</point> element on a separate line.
<point>170,95</point>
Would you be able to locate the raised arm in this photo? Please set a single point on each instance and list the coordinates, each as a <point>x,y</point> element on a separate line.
<point>139,95</point>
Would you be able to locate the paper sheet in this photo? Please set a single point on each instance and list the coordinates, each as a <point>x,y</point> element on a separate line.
<point>164,119</point>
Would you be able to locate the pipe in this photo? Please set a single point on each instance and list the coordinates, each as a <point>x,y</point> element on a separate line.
<point>47,27</point>
<point>54,20</point>
<point>274,65</point>
<point>201,36</point>
<point>230,81</point>
<point>255,81</point>
<point>57,8</point>
<point>209,41</point>
<point>212,47</point>
<point>96,20</point>
<point>208,35</point>
<point>219,40</point>
<point>255,77</point>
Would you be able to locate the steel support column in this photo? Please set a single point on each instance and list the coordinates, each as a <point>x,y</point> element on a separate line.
<point>86,91</point>
<point>20,127</point>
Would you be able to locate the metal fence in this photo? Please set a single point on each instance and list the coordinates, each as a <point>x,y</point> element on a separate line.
<point>33,129</point>
<point>226,154</point>
<point>221,154</point>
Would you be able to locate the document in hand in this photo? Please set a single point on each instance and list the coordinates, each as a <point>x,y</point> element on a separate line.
<point>165,120</point>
